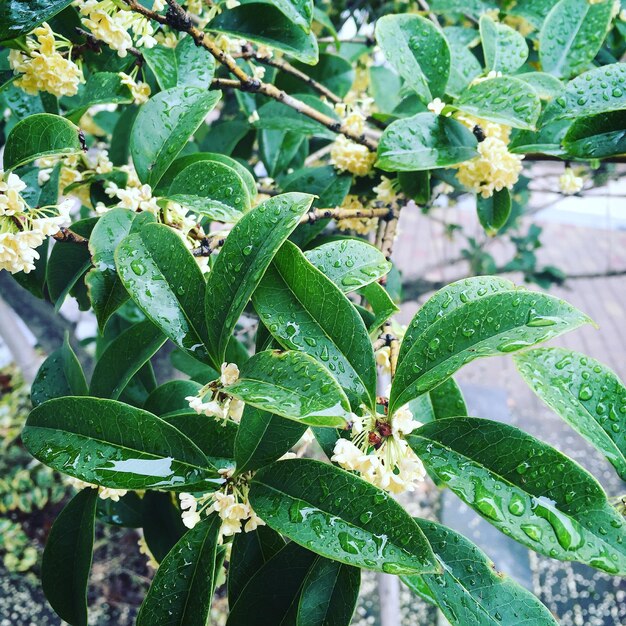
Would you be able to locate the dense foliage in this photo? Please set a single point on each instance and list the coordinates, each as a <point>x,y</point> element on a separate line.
<point>209,174</point>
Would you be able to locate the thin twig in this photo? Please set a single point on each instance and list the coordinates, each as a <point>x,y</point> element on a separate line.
<point>389,236</point>
<point>341,214</point>
<point>66,235</point>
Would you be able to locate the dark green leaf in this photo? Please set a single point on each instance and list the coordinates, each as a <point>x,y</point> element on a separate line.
<point>332,71</point>
<point>248,251</point>
<point>470,592</point>
<point>504,48</point>
<point>464,67</point>
<point>163,127</point>
<point>125,512</point>
<point>299,12</point>
<point>293,385</point>
<point>161,522</point>
<point>525,488</point>
<point>325,182</point>
<point>181,592</point>
<point>443,401</point>
<point>67,558</point>
<point>18,17</point>
<point>339,516</point>
<point>112,444</point>
<point>585,393</point>
<point>304,310</point>
<point>170,396</point>
<point>383,307</point>
<point>493,212</point>
<point>40,135</point>
<point>123,358</point>
<point>597,136</point>
<point>100,88</point>
<point>164,280</point>
<point>423,142</point>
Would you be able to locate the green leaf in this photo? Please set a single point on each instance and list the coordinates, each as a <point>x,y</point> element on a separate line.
<point>19,17</point>
<point>597,136</point>
<point>40,135</point>
<point>325,182</point>
<point>349,263</point>
<point>165,281</point>
<point>329,594</point>
<point>464,66</point>
<point>332,71</point>
<point>265,24</point>
<point>100,88</point>
<point>182,590</point>
<point>305,311</point>
<point>470,592</point>
<point>504,48</point>
<point>67,558</point>
<point>300,12</point>
<point>123,358</point>
<point>245,256</point>
<point>445,400</point>
<point>186,64</point>
<point>171,397</point>
<point>493,324</point>
<point>293,385</point>
<point>504,100</point>
<point>124,513</point>
<point>383,307</point>
<point>163,126</point>
<point>161,522</point>
<point>525,488</point>
<point>59,375</point>
<point>585,393</point>
<point>113,444</point>
<point>474,8</point>
<point>546,85</point>
<point>572,34</point>
<point>493,212</point>
<point>263,438</point>
<point>424,142</point>
<point>597,91</point>
<point>270,597</point>
<point>417,50</point>
<point>339,516</point>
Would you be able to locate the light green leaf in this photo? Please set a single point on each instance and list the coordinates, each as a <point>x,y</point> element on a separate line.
<point>471,592</point>
<point>494,324</point>
<point>67,558</point>
<point>464,68</point>
<point>340,516</point>
<point>300,12</point>
<point>113,444</point>
<point>181,593</point>
<point>304,310</point>
<point>504,100</point>
<point>165,281</point>
<point>40,135</point>
<point>585,393</point>
<point>493,212</point>
<point>293,385</point>
<point>504,48</point>
<point>572,34</point>
<point>163,126</point>
<point>19,17</point>
<point>525,488</point>
<point>546,85</point>
<point>417,50</point>
<point>325,182</point>
<point>383,307</point>
<point>424,142</point>
<point>245,256</point>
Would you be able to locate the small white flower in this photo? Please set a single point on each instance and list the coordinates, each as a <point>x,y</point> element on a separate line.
<point>229,374</point>
<point>569,183</point>
<point>436,106</point>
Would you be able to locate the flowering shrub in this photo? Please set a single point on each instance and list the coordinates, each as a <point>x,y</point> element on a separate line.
<point>228,177</point>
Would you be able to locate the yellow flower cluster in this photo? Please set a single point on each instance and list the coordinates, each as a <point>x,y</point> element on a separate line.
<point>348,156</point>
<point>139,90</point>
<point>43,67</point>
<point>495,167</point>
<point>104,493</point>
<point>569,183</point>
<point>386,191</point>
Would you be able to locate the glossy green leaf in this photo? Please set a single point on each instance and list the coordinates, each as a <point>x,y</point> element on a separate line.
<point>423,142</point>
<point>123,358</point>
<point>40,135</point>
<point>165,281</point>
<point>161,522</point>
<point>417,50</point>
<point>186,64</point>
<point>331,70</point>
<point>504,48</point>
<point>340,516</point>
<point>293,385</point>
<point>470,591</point>
<point>299,12</point>
<point>349,263</point>
<point>171,397</point>
<point>445,400</point>
<point>59,375</point>
<point>182,589</point>
<point>504,100</point>
<point>464,67</point>
<point>163,127</point>
<point>493,212</point>
<point>124,513</point>
<point>383,307</point>
<point>100,88</point>
<point>534,11</point>
<point>245,256</point>
<point>67,558</point>
<point>265,24</point>
<point>546,85</point>
<point>113,444</point>
<point>18,17</point>
<point>325,182</point>
<point>474,8</point>
<point>585,393</point>
<point>525,488</point>
<point>572,34</point>
<point>304,310</point>
<point>493,324</point>
<point>329,594</point>
<point>270,597</point>
<point>597,136</point>
<point>263,438</point>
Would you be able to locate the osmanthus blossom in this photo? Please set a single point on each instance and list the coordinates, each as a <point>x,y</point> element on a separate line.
<point>219,405</point>
<point>104,493</point>
<point>347,155</point>
<point>360,225</point>
<point>569,182</point>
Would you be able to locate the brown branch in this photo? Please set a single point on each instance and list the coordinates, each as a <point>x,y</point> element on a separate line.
<point>341,214</point>
<point>208,245</point>
<point>390,231</point>
<point>225,83</point>
<point>66,235</point>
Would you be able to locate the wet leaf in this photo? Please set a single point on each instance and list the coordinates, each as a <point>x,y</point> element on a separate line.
<point>597,136</point>
<point>493,212</point>
<point>445,400</point>
<point>171,397</point>
<point>504,48</point>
